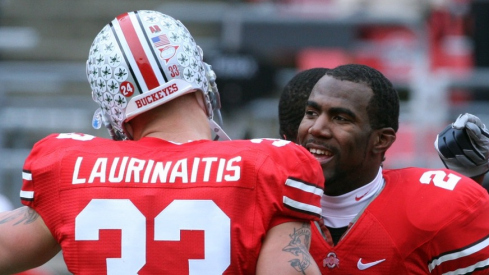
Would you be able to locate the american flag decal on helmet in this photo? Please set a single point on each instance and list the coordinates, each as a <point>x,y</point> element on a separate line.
<point>303,197</point>
<point>160,40</point>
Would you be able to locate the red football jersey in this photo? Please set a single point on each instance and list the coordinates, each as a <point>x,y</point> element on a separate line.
<point>155,207</point>
<point>423,222</point>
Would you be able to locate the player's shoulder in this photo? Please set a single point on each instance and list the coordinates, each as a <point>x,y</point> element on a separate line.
<point>274,148</point>
<point>68,139</point>
<point>63,141</point>
<point>279,164</point>
<point>440,183</point>
<point>430,198</point>
<point>283,156</point>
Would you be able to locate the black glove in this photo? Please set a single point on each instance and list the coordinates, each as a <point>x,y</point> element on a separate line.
<point>463,146</point>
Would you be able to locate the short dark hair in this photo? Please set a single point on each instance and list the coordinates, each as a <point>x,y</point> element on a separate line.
<point>292,103</point>
<point>383,108</point>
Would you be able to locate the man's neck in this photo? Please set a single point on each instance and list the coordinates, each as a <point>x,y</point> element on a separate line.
<point>339,211</point>
<point>179,120</point>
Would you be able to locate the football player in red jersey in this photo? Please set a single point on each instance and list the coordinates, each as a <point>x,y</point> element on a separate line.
<point>332,247</point>
<point>375,221</point>
<point>161,197</point>
<point>463,146</point>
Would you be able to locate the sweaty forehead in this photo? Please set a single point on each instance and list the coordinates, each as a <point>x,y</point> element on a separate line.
<point>329,90</point>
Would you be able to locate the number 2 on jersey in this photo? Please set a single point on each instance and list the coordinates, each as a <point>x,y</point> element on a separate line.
<point>439,179</point>
<point>178,215</point>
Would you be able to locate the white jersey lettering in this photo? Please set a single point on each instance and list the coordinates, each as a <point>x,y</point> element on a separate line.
<point>76,171</point>
<point>113,168</point>
<point>134,170</point>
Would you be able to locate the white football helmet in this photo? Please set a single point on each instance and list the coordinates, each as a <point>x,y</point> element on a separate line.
<point>141,60</point>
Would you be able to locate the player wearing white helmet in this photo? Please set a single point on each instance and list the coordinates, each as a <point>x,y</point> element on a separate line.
<point>388,221</point>
<point>161,197</point>
<point>142,60</point>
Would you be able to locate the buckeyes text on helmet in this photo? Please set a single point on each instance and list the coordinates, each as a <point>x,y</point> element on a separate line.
<point>141,60</point>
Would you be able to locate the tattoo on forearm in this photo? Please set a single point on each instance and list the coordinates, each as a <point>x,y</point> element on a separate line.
<point>299,246</point>
<point>23,215</point>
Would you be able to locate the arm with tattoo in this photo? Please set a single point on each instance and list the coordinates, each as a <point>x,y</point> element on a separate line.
<point>25,241</point>
<point>299,247</point>
<point>286,250</point>
<point>22,215</point>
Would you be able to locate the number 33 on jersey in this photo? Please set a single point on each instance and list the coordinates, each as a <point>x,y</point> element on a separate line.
<point>151,207</point>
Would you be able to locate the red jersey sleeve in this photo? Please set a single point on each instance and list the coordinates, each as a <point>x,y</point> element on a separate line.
<point>463,243</point>
<point>292,176</point>
<point>445,217</point>
<point>41,175</point>
<point>42,162</point>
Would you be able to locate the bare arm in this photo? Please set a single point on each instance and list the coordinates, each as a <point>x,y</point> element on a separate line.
<point>286,251</point>
<point>25,241</point>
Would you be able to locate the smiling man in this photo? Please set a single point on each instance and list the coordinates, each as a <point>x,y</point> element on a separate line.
<point>405,221</point>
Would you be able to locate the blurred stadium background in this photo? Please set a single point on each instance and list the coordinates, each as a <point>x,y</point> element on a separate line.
<point>435,51</point>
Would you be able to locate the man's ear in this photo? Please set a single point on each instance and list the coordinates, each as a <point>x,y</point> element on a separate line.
<point>384,138</point>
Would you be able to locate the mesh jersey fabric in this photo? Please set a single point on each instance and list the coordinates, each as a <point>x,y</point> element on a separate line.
<point>418,224</point>
<point>155,207</point>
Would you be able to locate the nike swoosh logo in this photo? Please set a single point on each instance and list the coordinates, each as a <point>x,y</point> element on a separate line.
<point>363,266</point>
<point>359,198</point>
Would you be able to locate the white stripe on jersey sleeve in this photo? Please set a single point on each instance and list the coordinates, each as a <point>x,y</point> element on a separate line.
<point>29,195</point>
<point>26,176</point>
<point>304,187</point>
<point>459,254</point>
<point>469,269</point>
<point>302,206</point>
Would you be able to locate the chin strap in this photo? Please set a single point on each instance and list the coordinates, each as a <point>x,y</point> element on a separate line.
<point>215,102</point>
<point>218,116</point>
<point>218,131</point>
<point>99,118</point>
